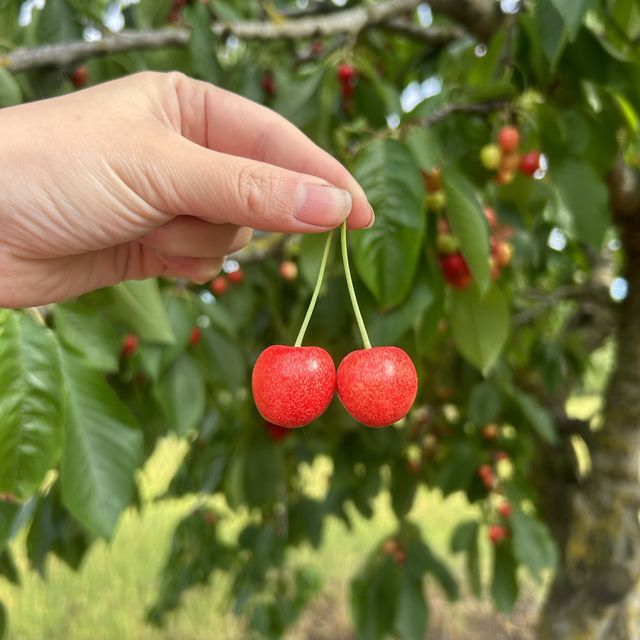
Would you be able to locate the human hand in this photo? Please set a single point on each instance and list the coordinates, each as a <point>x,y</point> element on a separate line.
<point>153,174</point>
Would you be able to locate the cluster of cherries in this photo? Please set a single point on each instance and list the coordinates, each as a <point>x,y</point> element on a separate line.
<point>347,76</point>
<point>498,531</point>
<point>504,158</point>
<point>453,264</point>
<point>221,283</point>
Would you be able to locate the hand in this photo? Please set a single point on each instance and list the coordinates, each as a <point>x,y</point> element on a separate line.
<point>153,174</point>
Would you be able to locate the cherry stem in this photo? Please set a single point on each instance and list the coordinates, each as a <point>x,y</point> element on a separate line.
<point>316,291</point>
<point>352,291</point>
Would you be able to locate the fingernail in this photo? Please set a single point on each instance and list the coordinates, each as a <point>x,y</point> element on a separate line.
<point>207,270</point>
<point>373,218</point>
<point>322,205</point>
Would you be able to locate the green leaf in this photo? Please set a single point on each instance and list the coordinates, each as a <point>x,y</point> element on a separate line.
<point>386,256</point>
<point>504,585</point>
<point>458,468</point>
<point>573,13</point>
<point>441,573</point>
<point>536,415</point>
<point>86,331</point>
<point>297,99</point>
<point>584,194</point>
<point>30,405</point>
<point>139,305</point>
<point>464,212</point>
<point>485,403</point>
<point>202,42</point>
<point>533,546</point>
<point>387,328</point>
<point>551,30</point>
<point>465,538</point>
<point>424,147</point>
<point>57,22</point>
<point>181,394</point>
<point>412,612</point>
<point>10,92</point>
<point>13,517</point>
<point>480,325</point>
<point>102,449</point>
<point>8,567</point>
<point>227,364</point>
<point>404,485</point>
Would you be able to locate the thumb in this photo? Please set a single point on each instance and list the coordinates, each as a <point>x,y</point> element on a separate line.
<point>222,188</point>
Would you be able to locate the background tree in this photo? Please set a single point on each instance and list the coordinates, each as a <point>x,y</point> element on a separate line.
<point>494,267</point>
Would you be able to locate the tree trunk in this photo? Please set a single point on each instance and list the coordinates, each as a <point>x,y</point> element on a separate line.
<point>596,592</point>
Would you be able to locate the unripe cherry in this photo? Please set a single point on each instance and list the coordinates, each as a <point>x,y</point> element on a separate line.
<point>490,156</point>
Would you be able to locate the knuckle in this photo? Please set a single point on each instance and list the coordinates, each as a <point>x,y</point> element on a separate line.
<point>258,191</point>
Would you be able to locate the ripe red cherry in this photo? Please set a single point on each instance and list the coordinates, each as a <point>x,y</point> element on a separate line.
<point>219,285</point>
<point>377,386</point>
<point>293,386</point>
<point>276,432</point>
<point>504,509</point>
<point>346,73</point>
<point>129,345</point>
<point>195,336</point>
<point>508,139</point>
<point>487,476</point>
<point>79,77</point>
<point>456,270</point>
<point>497,533</point>
<point>529,163</point>
<point>236,277</point>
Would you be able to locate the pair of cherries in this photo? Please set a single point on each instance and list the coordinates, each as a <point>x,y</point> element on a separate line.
<point>292,386</point>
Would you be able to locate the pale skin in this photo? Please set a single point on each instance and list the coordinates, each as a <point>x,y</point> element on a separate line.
<point>153,175</point>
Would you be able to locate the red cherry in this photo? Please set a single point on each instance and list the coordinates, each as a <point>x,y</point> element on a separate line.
<point>79,77</point>
<point>377,386</point>
<point>288,270</point>
<point>194,337</point>
<point>497,533</point>
<point>346,73</point>
<point>487,476</point>
<point>499,456</point>
<point>276,432</point>
<point>268,83</point>
<point>219,285</point>
<point>129,345</point>
<point>236,277</point>
<point>490,431</point>
<point>530,163</point>
<point>456,270</point>
<point>505,510</point>
<point>490,215</point>
<point>508,139</point>
<point>293,386</point>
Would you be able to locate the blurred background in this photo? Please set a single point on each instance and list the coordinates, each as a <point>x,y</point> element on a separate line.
<point>143,496</point>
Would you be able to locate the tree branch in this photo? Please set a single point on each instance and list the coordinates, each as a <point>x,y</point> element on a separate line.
<point>347,21</point>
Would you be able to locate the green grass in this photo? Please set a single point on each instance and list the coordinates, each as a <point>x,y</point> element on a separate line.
<point>106,600</point>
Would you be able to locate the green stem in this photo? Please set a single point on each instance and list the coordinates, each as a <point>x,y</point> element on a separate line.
<point>352,292</point>
<point>316,291</point>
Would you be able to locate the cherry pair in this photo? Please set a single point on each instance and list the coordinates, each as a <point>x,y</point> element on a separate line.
<point>293,386</point>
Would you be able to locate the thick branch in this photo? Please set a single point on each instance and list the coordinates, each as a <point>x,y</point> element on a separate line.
<point>349,21</point>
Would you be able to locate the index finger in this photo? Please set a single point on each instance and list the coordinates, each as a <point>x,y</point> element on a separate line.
<point>226,122</point>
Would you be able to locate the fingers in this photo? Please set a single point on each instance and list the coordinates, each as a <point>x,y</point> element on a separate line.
<point>226,122</point>
<point>221,188</point>
<point>195,238</point>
